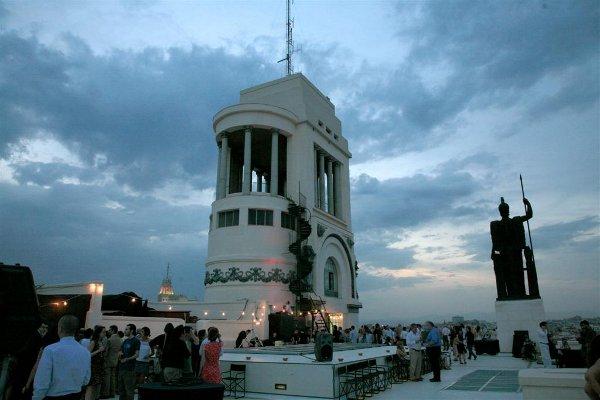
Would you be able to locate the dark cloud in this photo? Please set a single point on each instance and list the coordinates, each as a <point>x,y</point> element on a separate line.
<point>407,202</point>
<point>465,56</point>
<point>66,233</point>
<point>149,112</point>
<point>45,174</point>
<point>581,234</point>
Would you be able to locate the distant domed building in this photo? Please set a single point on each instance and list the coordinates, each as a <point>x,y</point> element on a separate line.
<point>166,292</point>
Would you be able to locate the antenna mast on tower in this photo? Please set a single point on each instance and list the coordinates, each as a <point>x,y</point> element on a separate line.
<point>289,40</point>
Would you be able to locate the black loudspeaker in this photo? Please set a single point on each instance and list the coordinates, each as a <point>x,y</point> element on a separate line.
<point>519,338</point>
<point>324,346</point>
<point>19,309</point>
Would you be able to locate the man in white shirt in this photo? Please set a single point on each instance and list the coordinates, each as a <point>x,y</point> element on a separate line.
<point>65,367</point>
<point>403,334</point>
<point>542,339</point>
<point>413,341</point>
<point>389,334</point>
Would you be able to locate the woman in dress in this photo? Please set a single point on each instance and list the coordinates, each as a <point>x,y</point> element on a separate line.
<point>96,348</point>
<point>209,365</point>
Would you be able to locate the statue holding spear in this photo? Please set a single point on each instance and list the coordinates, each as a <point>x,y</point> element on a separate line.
<point>508,247</point>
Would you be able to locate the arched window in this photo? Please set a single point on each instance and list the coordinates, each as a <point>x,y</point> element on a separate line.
<point>330,278</point>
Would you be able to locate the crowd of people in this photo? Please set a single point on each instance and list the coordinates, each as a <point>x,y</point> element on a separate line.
<point>99,363</point>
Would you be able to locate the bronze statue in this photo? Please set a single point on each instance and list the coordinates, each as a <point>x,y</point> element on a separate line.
<point>508,246</point>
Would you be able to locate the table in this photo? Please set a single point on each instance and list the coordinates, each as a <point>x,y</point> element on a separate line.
<point>160,391</point>
<point>491,347</point>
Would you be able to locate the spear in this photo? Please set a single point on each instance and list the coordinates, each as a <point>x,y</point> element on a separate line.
<point>528,230</point>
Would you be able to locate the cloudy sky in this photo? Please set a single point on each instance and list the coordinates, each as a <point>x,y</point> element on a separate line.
<point>107,160</point>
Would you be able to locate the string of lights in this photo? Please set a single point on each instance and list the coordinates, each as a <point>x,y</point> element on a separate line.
<point>61,303</point>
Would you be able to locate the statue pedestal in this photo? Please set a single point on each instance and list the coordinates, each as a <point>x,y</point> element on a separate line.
<point>518,315</point>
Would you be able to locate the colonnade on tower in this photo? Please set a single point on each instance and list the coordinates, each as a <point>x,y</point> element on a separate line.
<point>251,160</point>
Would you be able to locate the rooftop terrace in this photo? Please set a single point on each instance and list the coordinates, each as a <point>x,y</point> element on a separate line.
<point>487,378</point>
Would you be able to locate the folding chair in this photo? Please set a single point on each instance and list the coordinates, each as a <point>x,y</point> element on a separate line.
<point>235,380</point>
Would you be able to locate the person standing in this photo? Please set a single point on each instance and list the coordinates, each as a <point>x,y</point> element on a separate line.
<point>239,342</point>
<point>211,370</point>
<point>403,334</point>
<point>377,334</point>
<point>542,339</point>
<point>586,336</point>
<point>130,349</point>
<point>460,346</point>
<point>353,335</point>
<point>96,350</point>
<point>87,336</point>
<point>174,355</point>
<point>65,367</point>
<point>433,343</point>
<point>198,351</point>
<point>362,336</point>
<point>413,341</point>
<point>142,362</point>
<point>446,337</point>
<point>369,336</point>
<point>158,345</point>
<point>471,343</point>
<point>26,358</point>
<point>189,340</point>
<point>454,342</point>
<point>111,360</point>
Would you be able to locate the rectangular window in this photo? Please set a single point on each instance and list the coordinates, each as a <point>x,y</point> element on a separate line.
<point>331,285</point>
<point>260,217</point>
<point>287,221</point>
<point>229,218</point>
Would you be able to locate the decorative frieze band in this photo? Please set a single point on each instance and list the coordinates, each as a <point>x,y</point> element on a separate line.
<point>254,274</point>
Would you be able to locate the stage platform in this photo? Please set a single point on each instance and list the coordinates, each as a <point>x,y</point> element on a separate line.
<point>293,371</point>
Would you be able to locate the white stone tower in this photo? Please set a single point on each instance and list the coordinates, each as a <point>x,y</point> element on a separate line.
<point>282,146</point>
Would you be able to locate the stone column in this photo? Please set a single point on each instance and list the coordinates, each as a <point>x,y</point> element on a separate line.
<point>316,176</point>
<point>330,209</point>
<point>259,176</point>
<point>321,181</point>
<point>337,189</point>
<point>218,187</point>
<point>227,189</point>
<point>223,166</point>
<point>247,182</point>
<point>274,179</point>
